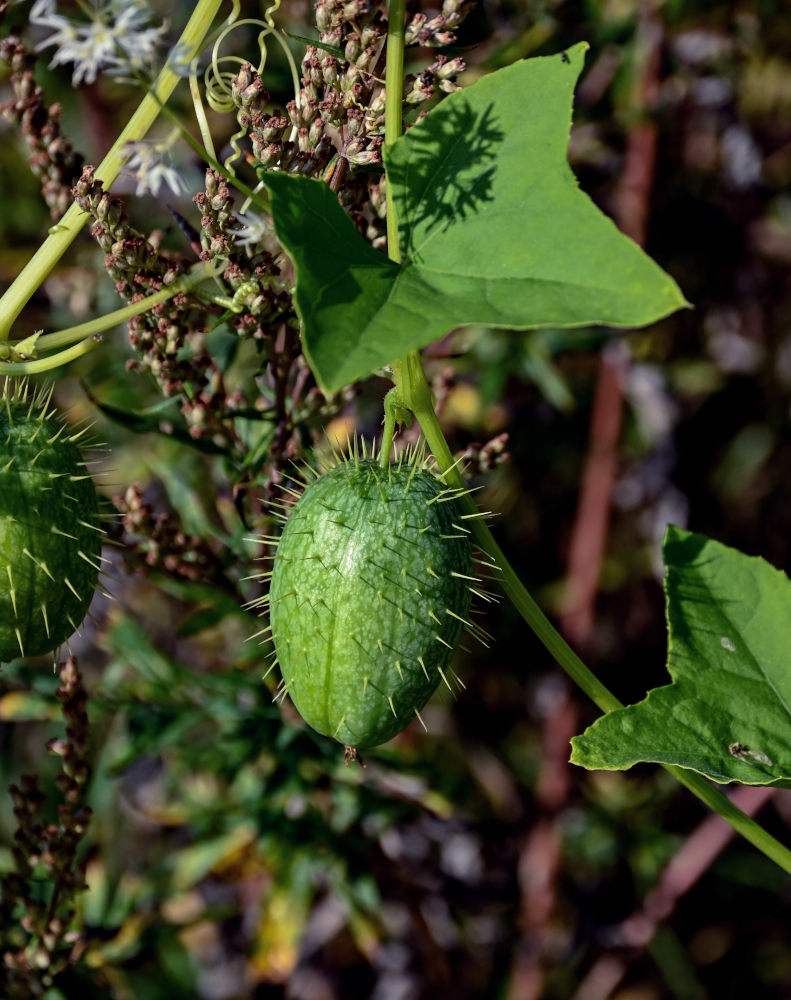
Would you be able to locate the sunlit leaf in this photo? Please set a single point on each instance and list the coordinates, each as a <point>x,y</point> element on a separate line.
<point>493,230</point>
<point>727,713</point>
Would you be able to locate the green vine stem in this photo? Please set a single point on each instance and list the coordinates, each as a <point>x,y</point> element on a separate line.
<point>415,388</point>
<point>413,392</point>
<point>395,413</point>
<point>86,336</point>
<point>37,365</point>
<point>199,273</point>
<point>394,86</point>
<point>62,235</point>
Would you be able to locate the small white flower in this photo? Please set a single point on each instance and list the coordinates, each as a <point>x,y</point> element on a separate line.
<point>115,39</point>
<point>90,47</point>
<point>138,42</point>
<point>149,164</point>
<point>255,229</point>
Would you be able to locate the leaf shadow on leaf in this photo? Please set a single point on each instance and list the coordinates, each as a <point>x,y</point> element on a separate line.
<point>454,186</point>
<point>689,546</point>
<point>493,230</point>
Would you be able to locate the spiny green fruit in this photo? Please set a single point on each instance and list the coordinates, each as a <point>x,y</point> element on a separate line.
<point>369,594</point>
<point>50,538</point>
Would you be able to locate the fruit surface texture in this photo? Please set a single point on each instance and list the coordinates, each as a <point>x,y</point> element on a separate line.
<point>50,539</point>
<point>369,596</point>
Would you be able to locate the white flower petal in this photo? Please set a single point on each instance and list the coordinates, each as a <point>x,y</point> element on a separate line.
<point>94,46</point>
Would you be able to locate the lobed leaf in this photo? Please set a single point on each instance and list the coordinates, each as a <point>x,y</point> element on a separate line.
<point>727,713</point>
<point>493,230</point>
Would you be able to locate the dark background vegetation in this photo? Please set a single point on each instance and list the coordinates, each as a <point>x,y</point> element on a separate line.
<point>232,854</point>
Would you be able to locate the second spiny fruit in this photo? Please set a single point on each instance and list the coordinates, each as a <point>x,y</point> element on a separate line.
<point>369,595</point>
<point>50,538</point>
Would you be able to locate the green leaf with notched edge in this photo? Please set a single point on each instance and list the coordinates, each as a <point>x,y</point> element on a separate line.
<point>493,230</point>
<point>727,713</point>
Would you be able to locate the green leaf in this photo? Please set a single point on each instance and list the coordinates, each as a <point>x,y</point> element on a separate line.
<point>727,713</point>
<point>493,230</point>
<point>343,284</point>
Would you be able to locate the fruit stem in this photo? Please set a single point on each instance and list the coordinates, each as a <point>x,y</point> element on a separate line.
<point>415,396</point>
<point>389,430</point>
<point>62,234</point>
<point>395,413</point>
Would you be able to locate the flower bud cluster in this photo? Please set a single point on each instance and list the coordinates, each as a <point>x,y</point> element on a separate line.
<point>440,75</point>
<point>437,30</point>
<point>140,268</point>
<point>293,140</point>
<point>481,458</point>
<point>348,89</point>
<point>217,219</point>
<point>338,115</point>
<point>51,157</point>
<point>157,540</point>
<point>38,932</point>
<point>338,109</point>
<point>261,294</point>
<point>333,16</point>
<point>350,97</point>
